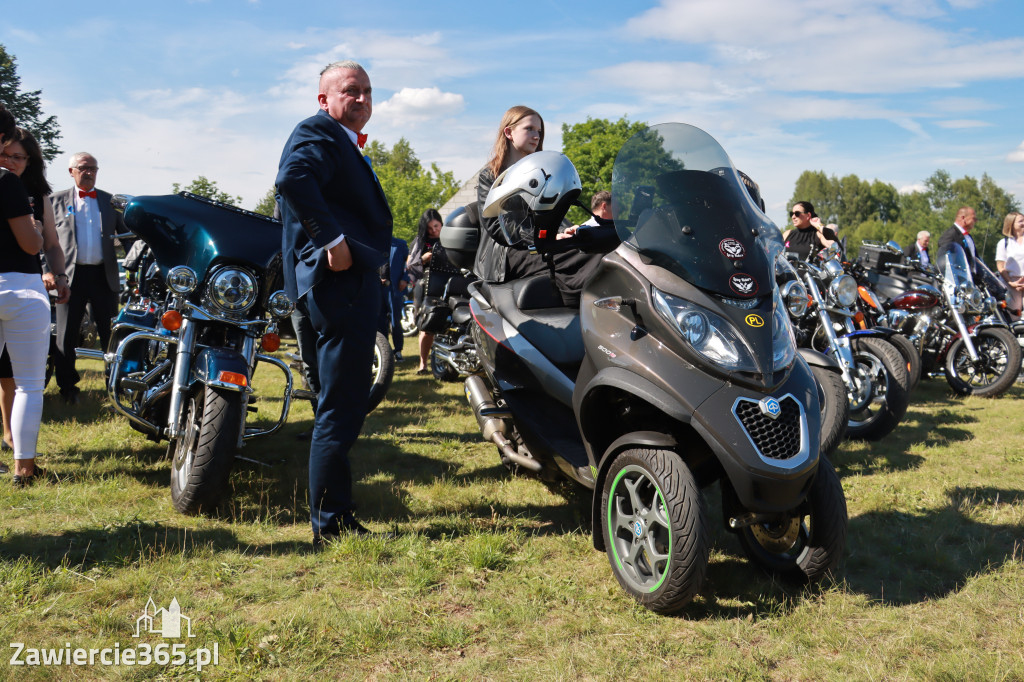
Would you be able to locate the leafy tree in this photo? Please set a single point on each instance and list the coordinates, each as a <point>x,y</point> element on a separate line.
<point>266,205</point>
<point>592,147</point>
<point>26,108</point>
<point>207,188</point>
<point>409,188</point>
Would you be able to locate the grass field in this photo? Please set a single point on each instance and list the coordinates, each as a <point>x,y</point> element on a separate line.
<point>494,577</point>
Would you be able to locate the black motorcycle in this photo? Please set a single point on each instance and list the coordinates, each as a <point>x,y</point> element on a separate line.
<point>184,348</point>
<point>678,370</point>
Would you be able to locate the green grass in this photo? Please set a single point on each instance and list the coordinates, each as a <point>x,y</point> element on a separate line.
<point>495,577</point>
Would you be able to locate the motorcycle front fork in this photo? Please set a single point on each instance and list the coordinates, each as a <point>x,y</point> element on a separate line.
<point>182,367</point>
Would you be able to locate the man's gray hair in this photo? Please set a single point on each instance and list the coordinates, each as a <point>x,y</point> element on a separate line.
<point>78,156</point>
<point>922,234</point>
<point>344,64</point>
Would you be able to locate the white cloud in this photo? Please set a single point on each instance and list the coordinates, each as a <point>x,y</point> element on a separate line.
<point>1017,155</point>
<point>419,104</point>
<point>958,124</point>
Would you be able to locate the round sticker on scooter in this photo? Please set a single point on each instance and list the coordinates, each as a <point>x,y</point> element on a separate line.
<point>743,284</point>
<point>754,320</point>
<point>732,248</point>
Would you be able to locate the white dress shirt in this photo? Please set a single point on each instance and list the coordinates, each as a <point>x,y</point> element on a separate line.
<point>88,230</point>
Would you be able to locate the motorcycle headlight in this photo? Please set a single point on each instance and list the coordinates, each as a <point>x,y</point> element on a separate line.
<point>233,290</point>
<point>975,299</point>
<point>783,340</point>
<point>843,290</point>
<point>960,296</point>
<point>279,304</point>
<point>710,335</point>
<point>182,280</point>
<point>794,293</point>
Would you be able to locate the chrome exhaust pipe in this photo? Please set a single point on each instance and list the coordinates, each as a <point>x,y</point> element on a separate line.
<point>491,420</point>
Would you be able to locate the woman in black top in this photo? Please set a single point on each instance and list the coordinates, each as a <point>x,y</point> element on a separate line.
<point>807,236</point>
<point>425,247</point>
<point>24,304</point>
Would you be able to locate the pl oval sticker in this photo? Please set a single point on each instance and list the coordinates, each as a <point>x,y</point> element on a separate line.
<point>743,284</point>
<point>732,248</point>
<point>755,320</point>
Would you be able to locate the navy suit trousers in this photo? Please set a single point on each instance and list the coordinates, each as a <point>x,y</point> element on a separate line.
<point>343,308</point>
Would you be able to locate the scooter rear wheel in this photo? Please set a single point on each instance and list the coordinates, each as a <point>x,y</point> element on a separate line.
<point>656,528</point>
<point>807,543</point>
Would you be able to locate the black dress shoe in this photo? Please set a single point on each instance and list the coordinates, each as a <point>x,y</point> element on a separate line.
<point>23,481</point>
<point>350,526</point>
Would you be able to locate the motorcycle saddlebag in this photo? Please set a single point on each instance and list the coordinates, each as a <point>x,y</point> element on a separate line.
<point>433,315</point>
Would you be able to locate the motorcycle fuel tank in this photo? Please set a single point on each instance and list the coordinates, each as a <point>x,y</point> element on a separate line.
<point>917,299</point>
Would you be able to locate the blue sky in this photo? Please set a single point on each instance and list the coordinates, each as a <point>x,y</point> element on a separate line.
<point>890,89</point>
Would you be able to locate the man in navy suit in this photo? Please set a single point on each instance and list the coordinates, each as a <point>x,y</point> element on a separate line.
<point>960,233</point>
<point>337,233</point>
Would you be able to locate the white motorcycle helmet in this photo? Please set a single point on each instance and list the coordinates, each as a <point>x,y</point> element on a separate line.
<point>533,194</point>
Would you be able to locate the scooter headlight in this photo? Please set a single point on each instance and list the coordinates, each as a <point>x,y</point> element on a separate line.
<point>794,293</point>
<point>233,290</point>
<point>182,280</point>
<point>279,304</point>
<point>843,290</point>
<point>710,335</point>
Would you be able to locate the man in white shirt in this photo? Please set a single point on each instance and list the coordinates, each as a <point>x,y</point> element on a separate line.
<point>86,226</point>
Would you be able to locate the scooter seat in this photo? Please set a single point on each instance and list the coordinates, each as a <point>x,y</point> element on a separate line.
<point>554,330</point>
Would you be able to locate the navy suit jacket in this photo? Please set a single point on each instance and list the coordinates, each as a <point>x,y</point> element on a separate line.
<point>327,189</point>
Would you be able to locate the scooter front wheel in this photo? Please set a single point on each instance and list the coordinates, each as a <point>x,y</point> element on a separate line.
<point>656,528</point>
<point>807,543</point>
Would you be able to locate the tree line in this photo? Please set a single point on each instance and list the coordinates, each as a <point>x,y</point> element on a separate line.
<point>877,211</point>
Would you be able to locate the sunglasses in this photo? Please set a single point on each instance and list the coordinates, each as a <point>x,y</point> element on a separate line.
<point>794,214</point>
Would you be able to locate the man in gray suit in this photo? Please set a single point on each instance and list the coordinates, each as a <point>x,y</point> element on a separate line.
<point>86,225</point>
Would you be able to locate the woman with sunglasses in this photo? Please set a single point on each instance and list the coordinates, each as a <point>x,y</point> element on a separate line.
<point>807,235</point>
<point>23,295</point>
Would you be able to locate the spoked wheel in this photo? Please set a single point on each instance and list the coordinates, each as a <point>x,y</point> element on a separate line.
<point>807,543</point>
<point>656,529</point>
<point>999,358</point>
<point>201,457</point>
<point>383,371</point>
<point>835,408</point>
<point>408,322</point>
<point>880,399</point>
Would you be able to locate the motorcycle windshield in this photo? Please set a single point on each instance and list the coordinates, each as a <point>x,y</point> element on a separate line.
<point>678,200</point>
<point>953,262</point>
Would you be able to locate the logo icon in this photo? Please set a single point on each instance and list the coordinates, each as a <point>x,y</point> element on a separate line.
<point>743,284</point>
<point>170,620</point>
<point>754,320</point>
<point>732,248</point>
<point>770,407</point>
<point>638,528</point>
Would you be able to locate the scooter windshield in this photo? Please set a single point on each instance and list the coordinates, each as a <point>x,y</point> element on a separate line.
<point>678,200</point>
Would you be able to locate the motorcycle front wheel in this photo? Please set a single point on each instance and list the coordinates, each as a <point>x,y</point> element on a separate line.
<point>382,372</point>
<point>201,457</point>
<point>835,408</point>
<point>408,322</point>
<point>656,528</point>
<point>999,359</point>
<point>911,358</point>
<point>881,401</point>
<point>807,543</point>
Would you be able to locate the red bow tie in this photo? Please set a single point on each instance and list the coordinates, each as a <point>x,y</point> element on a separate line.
<point>91,193</point>
<point>360,139</point>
